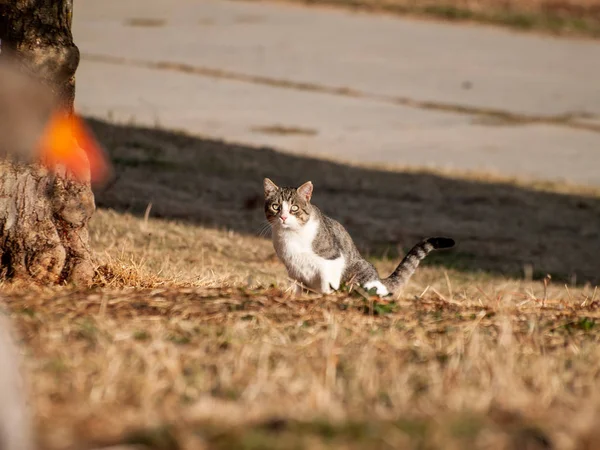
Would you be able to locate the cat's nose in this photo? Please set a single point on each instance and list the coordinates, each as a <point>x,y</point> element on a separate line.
<point>283,218</point>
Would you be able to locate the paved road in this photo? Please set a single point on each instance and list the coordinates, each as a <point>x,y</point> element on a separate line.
<point>351,86</point>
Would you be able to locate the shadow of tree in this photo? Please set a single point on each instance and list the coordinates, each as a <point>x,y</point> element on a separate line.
<point>498,227</point>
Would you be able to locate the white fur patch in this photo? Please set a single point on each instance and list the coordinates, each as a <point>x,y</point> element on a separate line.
<point>331,273</point>
<point>381,289</point>
<point>293,244</point>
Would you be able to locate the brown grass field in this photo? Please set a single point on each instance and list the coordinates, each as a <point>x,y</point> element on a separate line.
<point>564,17</point>
<point>191,340</point>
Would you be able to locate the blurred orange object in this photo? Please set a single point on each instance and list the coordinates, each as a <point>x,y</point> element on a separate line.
<point>68,142</point>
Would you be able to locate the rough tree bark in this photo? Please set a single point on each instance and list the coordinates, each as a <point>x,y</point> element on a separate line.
<point>43,214</point>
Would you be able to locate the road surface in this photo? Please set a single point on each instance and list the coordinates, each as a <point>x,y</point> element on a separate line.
<point>356,87</point>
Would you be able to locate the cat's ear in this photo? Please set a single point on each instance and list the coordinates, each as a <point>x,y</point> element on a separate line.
<point>270,187</point>
<point>305,191</point>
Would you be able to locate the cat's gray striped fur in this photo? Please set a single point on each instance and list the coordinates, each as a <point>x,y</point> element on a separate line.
<point>320,254</point>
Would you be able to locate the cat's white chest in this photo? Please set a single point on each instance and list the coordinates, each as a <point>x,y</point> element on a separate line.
<point>295,249</point>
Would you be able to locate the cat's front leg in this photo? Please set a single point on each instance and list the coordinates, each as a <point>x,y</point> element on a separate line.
<point>326,288</point>
<point>329,285</point>
<point>331,275</point>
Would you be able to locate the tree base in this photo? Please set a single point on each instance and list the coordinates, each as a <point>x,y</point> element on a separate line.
<point>43,226</point>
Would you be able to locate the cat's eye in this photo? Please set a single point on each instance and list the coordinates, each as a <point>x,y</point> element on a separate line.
<point>274,206</point>
<point>294,208</point>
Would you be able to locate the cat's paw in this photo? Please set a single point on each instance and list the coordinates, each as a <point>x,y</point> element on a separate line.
<point>380,289</point>
<point>329,288</point>
<point>326,289</point>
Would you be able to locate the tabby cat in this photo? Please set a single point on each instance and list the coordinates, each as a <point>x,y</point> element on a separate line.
<point>320,254</point>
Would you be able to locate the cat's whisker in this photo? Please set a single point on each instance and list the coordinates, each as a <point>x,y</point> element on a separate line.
<point>264,229</point>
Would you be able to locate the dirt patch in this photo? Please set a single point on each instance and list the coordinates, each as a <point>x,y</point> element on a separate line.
<point>283,130</point>
<point>145,22</point>
<point>249,19</point>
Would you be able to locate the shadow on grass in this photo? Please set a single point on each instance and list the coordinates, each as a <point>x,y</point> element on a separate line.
<point>499,228</point>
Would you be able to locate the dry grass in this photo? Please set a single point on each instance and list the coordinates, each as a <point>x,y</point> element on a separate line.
<point>462,360</point>
<point>571,17</point>
<point>190,340</point>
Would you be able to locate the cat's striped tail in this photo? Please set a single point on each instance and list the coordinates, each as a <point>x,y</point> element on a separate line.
<point>412,259</point>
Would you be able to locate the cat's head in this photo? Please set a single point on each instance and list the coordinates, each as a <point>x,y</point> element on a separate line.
<point>287,208</point>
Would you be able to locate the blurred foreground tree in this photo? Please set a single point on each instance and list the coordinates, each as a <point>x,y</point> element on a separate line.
<point>43,214</point>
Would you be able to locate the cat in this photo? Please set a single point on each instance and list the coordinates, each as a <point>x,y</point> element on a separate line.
<point>318,252</point>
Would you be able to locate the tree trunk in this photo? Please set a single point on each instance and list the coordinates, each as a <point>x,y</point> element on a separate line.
<point>43,214</point>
